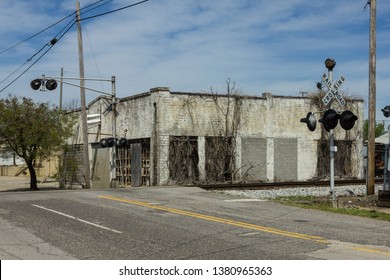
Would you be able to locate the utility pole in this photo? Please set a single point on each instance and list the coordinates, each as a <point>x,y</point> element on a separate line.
<point>87,172</point>
<point>372,102</point>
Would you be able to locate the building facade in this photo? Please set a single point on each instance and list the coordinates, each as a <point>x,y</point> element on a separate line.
<point>184,138</point>
<point>12,165</point>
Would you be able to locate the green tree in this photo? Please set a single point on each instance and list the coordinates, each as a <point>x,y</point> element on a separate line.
<point>379,130</point>
<point>33,130</point>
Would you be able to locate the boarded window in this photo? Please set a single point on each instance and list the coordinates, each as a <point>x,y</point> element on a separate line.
<point>183,159</point>
<point>219,158</point>
<point>254,159</point>
<point>124,168</point>
<point>285,159</point>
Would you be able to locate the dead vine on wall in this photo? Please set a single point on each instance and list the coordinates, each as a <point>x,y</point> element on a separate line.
<point>183,159</point>
<point>221,151</point>
<point>220,146</point>
<point>220,160</point>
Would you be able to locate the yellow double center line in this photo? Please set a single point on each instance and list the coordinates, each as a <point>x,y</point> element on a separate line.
<point>219,220</point>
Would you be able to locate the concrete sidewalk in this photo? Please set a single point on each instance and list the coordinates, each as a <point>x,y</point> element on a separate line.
<point>22,183</point>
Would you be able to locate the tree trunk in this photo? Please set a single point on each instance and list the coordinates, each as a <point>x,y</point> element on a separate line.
<point>33,176</point>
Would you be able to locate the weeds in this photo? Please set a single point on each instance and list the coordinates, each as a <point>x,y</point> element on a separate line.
<point>312,202</point>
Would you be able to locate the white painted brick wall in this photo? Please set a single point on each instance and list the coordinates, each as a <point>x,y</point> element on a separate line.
<point>266,117</point>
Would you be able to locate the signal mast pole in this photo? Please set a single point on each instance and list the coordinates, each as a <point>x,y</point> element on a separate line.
<point>330,64</point>
<point>332,148</point>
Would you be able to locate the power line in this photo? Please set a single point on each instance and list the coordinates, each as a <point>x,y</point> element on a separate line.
<point>116,10</point>
<point>36,34</point>
<point>28,60</point>
<point>93,55</point>
<point>52,25</point>
<point>51,45</point>
<point>92,4</point>
<point>94,8</point>
<point>55,39</point>
<point>67,27</point>
<point>70,15</point>
<point>52,42</point>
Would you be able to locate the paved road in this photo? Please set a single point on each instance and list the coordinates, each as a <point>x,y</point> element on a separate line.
<point>177,223</point>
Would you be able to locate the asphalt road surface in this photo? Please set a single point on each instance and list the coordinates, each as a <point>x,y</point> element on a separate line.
<point>167,223</point>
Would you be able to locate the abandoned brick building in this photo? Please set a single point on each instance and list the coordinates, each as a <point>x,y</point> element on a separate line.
<point>184,138</point>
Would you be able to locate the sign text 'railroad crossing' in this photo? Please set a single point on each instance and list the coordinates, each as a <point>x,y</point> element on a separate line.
<point>333,90</point>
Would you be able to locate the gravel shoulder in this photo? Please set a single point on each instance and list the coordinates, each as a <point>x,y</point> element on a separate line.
<point>346,196</point>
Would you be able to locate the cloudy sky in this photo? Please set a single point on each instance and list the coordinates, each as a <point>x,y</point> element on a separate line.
<point>193,45</point>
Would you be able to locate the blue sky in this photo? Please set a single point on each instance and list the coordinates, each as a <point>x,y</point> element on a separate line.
<point>193,45</point>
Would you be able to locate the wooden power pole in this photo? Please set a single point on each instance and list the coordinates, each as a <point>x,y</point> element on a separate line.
<point>87,172</point>
<point>372,102</point>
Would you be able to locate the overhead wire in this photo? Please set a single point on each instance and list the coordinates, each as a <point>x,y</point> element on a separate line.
<point>94,8</point>
<point>94,57</point>
<point>28,60</point>
<point>116,10</point>
<point>50,45</point>
<point>36,34</point>
<point>52,25</point>
<point>52,42</point>
<point>92,4</point>
<point>55,39</point>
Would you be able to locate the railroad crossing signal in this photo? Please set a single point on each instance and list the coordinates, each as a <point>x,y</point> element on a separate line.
<point>330,119</point>
<point>111,141</point>
<point>333,90</point>
<point>310,120</point>
<point>50,84</point>
<point>347,120</point>
<point>107,142</point>
<point>386,111</point>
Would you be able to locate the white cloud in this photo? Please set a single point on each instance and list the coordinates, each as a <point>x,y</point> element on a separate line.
<point>193,45</point>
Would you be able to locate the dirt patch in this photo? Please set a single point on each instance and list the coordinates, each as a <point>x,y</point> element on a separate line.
<point>355,201</point>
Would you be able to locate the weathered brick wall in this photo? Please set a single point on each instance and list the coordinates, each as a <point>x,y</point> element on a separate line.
<point>275,118</point>
<point>268,128</point>
<point>134,118</point>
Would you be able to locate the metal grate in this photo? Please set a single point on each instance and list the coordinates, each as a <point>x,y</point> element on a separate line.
<point>123,163</point>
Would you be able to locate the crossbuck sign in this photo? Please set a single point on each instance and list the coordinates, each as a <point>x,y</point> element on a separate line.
<point>333,90</point>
